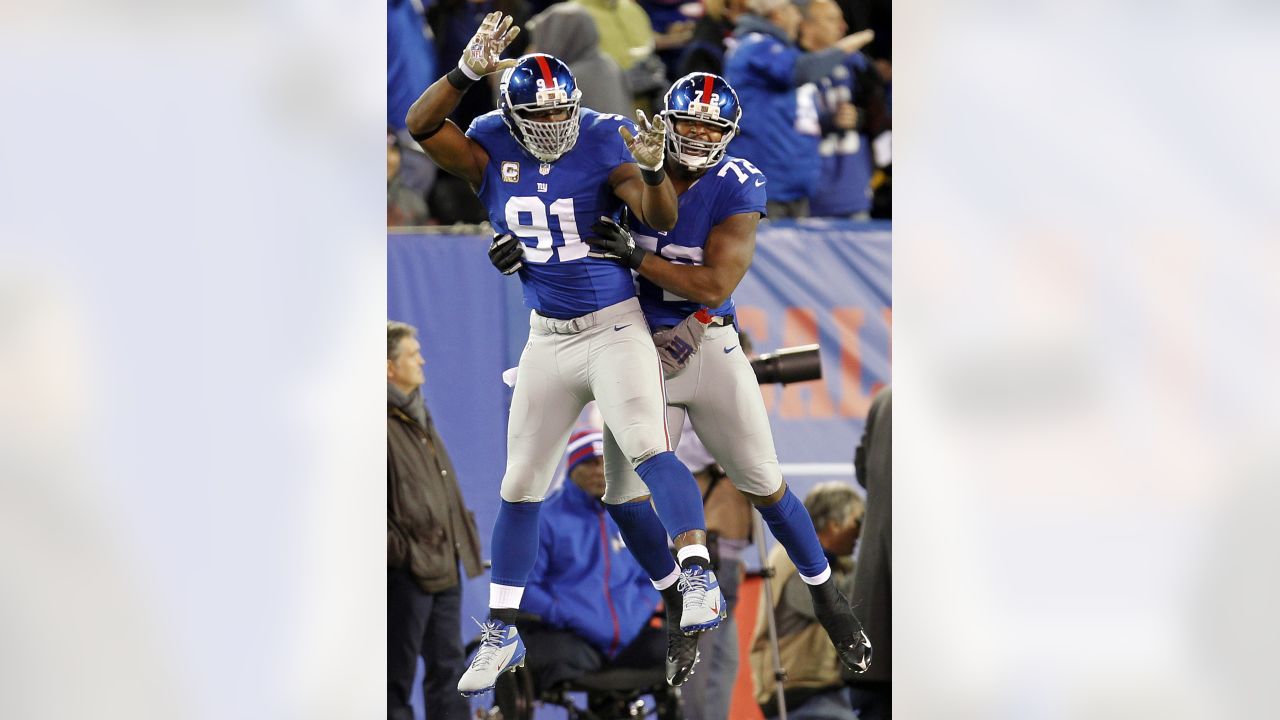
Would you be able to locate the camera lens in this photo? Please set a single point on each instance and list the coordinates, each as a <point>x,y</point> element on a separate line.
<point>788,365</point>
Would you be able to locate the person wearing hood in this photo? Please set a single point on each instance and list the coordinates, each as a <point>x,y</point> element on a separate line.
<point>626,35</point>
<point>775,79</point>
<point>567,31</point>
<point>429,531</point>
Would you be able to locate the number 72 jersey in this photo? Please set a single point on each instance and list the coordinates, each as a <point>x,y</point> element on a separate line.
<point>733,186</point>
<point>550,206</point>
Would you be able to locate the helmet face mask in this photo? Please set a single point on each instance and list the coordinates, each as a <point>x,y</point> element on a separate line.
<point>539,85</point>
<point>695,153</point>
<point>704,98</point>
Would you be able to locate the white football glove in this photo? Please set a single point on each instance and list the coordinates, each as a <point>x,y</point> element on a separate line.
<point>481,54</point>
<point>678,344</point>
<point>650,146</point>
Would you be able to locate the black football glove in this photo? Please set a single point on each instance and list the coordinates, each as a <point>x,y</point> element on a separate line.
<point>615,242</point>
<point>506,253</point>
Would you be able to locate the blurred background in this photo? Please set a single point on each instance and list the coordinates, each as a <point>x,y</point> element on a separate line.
<point>193,275</point>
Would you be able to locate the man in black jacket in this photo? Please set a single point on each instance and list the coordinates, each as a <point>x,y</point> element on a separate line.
<point>429,531</point>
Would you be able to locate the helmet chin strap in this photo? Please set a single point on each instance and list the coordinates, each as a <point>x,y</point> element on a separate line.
<point>693,162</point>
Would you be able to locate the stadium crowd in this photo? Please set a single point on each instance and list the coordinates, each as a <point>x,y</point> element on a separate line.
<point>814,78</point>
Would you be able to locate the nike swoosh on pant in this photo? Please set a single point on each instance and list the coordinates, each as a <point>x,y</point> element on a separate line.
<point>616,328</point>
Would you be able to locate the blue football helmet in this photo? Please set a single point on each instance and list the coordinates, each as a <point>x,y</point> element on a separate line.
<point>705,98</point>
<point>536,84</point>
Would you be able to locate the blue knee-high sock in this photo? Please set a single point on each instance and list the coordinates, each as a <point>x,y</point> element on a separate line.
<point>645,537</point>
<point>675,493</point>
<point>791,524</point>
<point>515,543</point>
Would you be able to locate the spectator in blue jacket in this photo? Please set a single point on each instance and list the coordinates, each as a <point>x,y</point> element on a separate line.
<point>581,557</point>
<point>844,187</point>
<point>411,60</point>
<point>780,129</point>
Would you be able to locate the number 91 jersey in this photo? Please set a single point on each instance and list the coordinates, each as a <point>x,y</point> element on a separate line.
<point>548,207</point>
<point>731,187</point>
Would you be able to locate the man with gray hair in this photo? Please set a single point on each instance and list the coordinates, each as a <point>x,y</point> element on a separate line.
<point>774,78</point>
<point>816,681</point>
<point>429,531</point>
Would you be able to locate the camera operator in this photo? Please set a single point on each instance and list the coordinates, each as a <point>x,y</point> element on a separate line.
<point>816,685</point>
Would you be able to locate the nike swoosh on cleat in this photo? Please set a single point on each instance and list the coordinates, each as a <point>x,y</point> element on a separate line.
<point>616,328</point>
<point>730,349</point>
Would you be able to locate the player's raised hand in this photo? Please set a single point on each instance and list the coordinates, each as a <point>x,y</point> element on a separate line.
<point>506,253</point>
<point>614,242</point>
<point>650,146</point>
<point>481,54</point>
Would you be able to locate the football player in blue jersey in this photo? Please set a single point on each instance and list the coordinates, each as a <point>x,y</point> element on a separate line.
<point>546,168</point>
<point>687,277</point>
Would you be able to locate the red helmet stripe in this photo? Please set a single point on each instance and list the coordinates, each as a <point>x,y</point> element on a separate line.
<point>706,88</point>
<point>546,71</point>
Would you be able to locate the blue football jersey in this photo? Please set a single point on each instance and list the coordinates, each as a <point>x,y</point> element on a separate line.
<point>733,186</point>
<point>549,206</point>
<point>844,186</point>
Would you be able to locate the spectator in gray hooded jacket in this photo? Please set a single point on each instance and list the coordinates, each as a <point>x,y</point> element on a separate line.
<point>568,32</point>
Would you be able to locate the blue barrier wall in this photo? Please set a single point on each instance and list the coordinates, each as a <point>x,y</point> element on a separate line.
<point>812,281</point>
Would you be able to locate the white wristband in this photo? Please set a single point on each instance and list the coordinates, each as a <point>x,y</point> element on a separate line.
<point>655,168</point>
<point>465,69</point>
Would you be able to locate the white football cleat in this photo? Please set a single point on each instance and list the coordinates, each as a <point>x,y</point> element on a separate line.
<point>501,649</point>
<point>704,606</point>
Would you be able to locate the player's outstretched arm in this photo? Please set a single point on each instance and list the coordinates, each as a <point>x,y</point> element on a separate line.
<point>645,187</point>
<point>726,256</point>
<point>428,119</point>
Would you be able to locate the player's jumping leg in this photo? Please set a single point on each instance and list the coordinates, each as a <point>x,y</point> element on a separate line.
<point>543,410</point>
<point>515,549</point>
<point>628,387</point>
<point>628,501</point>
<point>646,538</point>
<point>678,503</point>
<point>730,418</point>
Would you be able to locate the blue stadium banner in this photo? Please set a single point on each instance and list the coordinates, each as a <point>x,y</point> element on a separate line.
<point>825,282</point>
